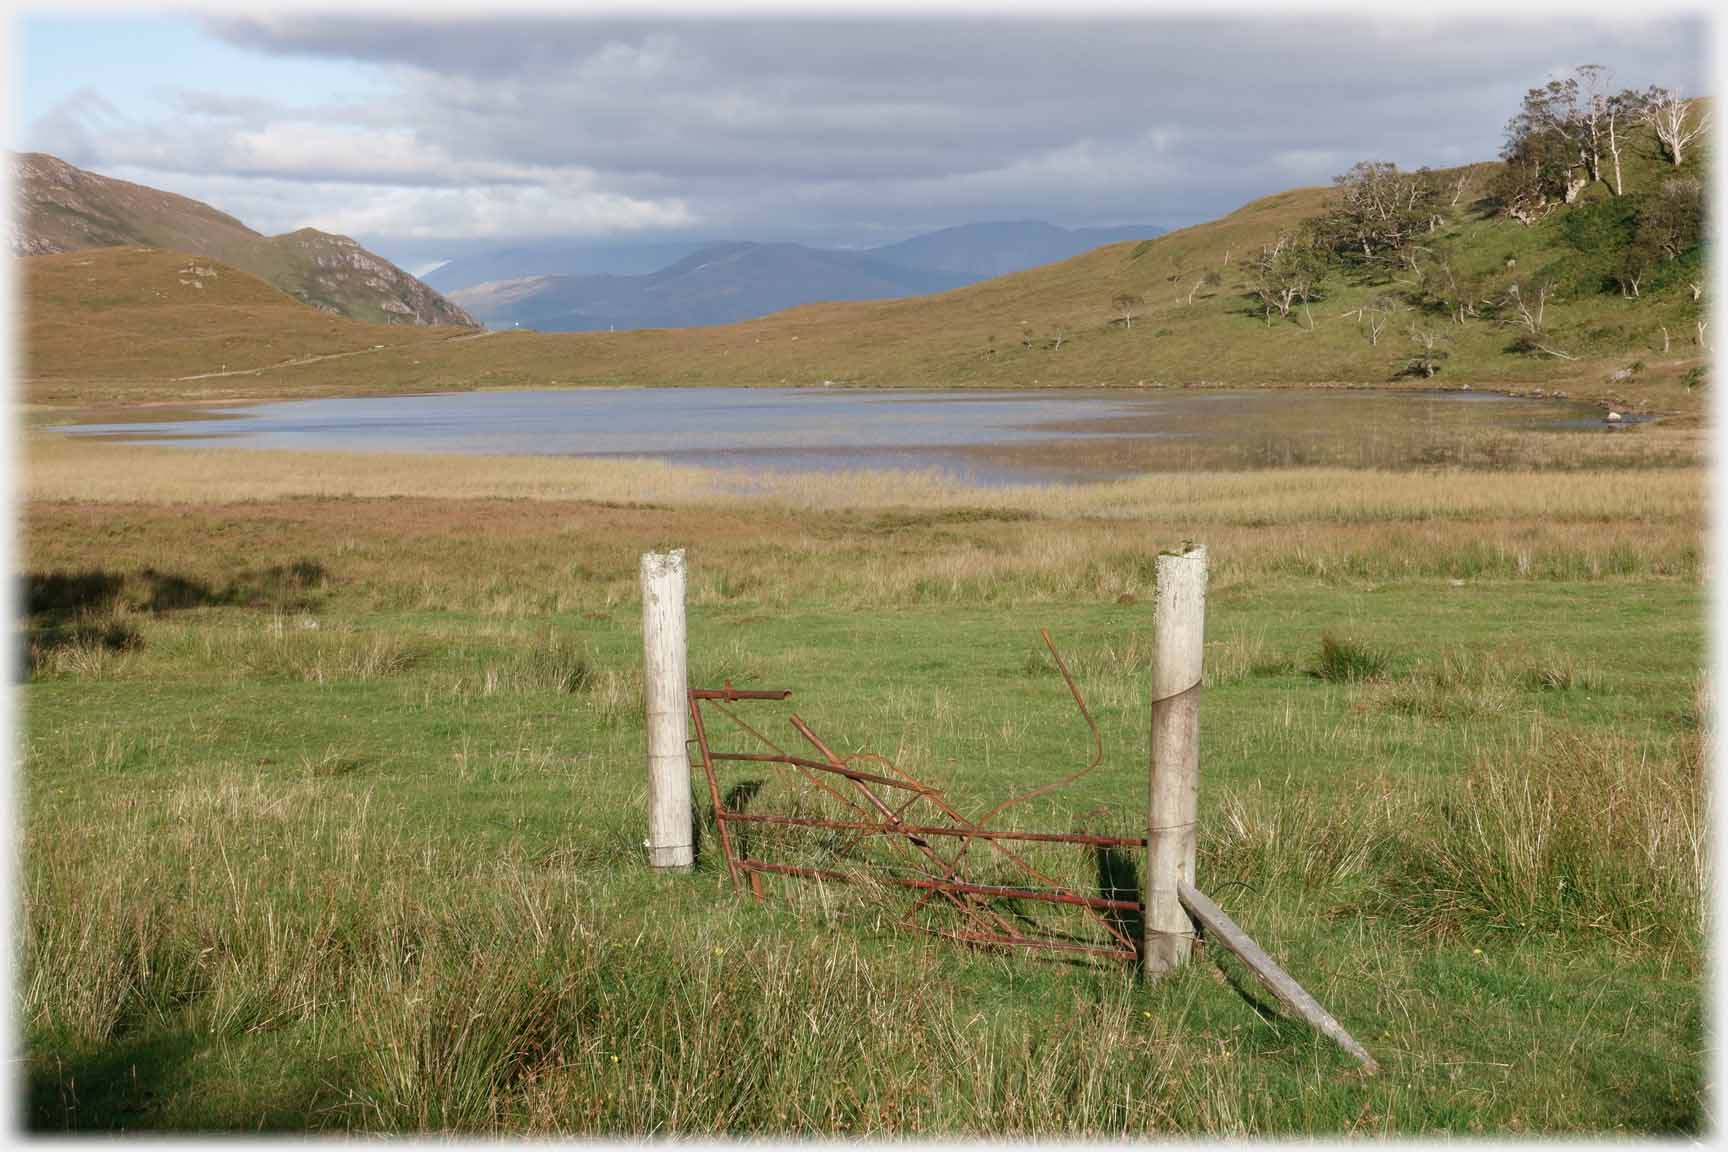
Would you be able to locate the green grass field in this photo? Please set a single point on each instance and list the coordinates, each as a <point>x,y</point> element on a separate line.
<point>333,801</point>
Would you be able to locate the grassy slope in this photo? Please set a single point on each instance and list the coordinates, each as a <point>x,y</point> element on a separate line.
<point>126,315</point>
<point>974,336</point>
<point>115,213</point>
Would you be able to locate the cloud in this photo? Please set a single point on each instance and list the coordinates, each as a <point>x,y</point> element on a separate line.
<point>283,172</point>
<point>775,128</point>
<point>559,207</point>
<point>498,211</point>
<point>314,149</point>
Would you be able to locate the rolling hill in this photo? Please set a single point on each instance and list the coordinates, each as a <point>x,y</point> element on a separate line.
<point>62,208</point>
<point>143,319</point>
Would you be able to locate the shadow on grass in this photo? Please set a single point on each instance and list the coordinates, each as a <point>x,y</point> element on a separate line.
<point>145,1082</point>
<point>1119,879</point>
<point>737,799</point>
<point>72,613</point>
<point>52,598</point>
<point>116,1088</point>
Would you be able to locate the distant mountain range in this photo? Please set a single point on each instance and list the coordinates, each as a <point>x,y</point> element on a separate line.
<point>985,251</point>
<point>469,263</point>
<point>63,208</point>
<point>717,285</point>
<point>726,283</point>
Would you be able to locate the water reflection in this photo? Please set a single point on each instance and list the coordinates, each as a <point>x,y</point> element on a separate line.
<point>989,437</point>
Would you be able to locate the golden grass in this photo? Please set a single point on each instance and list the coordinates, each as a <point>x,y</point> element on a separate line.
<point>60,469</point>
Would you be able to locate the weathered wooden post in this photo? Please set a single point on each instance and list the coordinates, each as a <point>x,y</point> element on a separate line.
<point>1178,623</point>
<point>665,692</point>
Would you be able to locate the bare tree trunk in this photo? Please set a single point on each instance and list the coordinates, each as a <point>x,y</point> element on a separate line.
<point>1614,151</point>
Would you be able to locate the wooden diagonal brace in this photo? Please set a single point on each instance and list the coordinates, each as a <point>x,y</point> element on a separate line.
<point>1292,995</point>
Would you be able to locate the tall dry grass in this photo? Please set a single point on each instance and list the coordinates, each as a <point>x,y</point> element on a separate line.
<point>1594,834</point>
<point>472,991</point>
<point>61,469</point>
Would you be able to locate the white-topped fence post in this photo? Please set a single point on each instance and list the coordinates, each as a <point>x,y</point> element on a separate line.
<point>666,696</point>
<point>1179,628</point>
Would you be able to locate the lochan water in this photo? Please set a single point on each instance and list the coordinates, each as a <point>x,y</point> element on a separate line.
<point>986,437</point>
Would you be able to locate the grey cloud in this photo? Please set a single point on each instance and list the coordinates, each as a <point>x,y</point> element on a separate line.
<point>772,127</point>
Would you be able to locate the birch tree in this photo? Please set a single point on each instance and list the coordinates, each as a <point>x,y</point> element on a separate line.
<point>1526,308</point>
<point>1674,121</point>
<point>1290,269</point>
<point>1593,117</point>
<point>1374,316</point>
<point>1552,128</point>
<point>1554,144</point>
<point>1377,213</point>
<point>1429,353</point>
<point>1204,280</point>
<point>1619,112</point>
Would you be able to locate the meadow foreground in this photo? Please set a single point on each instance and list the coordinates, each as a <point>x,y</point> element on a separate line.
<point>333,797</point>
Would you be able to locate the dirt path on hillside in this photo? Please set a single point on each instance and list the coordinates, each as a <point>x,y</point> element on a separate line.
<point>317,359</point>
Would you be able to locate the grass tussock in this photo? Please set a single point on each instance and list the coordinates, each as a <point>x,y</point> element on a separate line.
<point>1462,683</point>
<point>1556,670</point>
<point>1319,841</point>
<point>552,662</point>
<point>306,648</point>
<point>1344,659</point>
<point>1584,834</point>
<point>1458,684</point>
<point>90,647</point>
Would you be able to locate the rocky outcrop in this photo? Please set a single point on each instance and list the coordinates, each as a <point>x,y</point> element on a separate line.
<point>340,269</point>
<point>62,208</point>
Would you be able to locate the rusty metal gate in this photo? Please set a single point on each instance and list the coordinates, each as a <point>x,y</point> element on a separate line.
<point>860,819</point>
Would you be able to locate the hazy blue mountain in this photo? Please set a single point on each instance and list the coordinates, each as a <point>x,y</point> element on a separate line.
<point>577,287</point>
<point>985,251</point>
<point>556,257</point>
<point>720,284</point>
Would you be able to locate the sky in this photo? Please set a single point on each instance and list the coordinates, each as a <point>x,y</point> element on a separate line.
<point>419,134</point>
